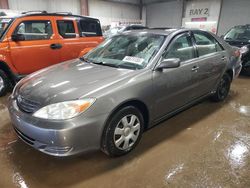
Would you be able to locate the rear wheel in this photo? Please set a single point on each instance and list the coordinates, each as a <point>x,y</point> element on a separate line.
<point>123,132</point>
<point>4,83</point>
<point>222,89</point>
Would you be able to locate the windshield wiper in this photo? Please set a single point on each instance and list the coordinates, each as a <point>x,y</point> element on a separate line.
<point>106,64</point>
<point>85,59</point>
<point>98,63</point>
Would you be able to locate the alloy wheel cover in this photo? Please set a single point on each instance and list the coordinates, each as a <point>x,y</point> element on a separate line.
<point>127,131</point>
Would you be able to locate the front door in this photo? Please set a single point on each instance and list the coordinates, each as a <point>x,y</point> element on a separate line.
<point>36,50</point>
<point>174,87</point>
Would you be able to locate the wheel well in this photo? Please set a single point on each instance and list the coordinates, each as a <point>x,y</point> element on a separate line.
<point>7,70</point>
<point>230,73</point>
<point>138,104</point>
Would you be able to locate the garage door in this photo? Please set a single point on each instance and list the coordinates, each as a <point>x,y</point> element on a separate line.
<point>167,14</point>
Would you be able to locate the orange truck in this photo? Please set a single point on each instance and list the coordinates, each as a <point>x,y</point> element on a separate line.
<point>35,40</point>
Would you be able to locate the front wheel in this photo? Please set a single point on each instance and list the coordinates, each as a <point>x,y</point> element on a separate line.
<point>4,83</point>
<point>222,89</point>
<point>123,132</point>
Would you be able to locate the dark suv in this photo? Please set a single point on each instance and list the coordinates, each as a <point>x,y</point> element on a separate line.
<point>239,36</point>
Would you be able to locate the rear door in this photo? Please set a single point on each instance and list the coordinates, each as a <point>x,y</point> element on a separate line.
<point>68,38</point>
<point>75,36</point>
<point>90,33</point>
<point>34,52</point>
<point>174,87</point>
<point>211,62</point>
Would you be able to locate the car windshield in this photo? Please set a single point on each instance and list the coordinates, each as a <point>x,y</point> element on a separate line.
<point>127,51</point>
<point>239,33</point>
<point>4,23</point>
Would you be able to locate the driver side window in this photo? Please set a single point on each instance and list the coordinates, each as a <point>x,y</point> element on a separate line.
<point>35,30</point>
<point>181,47</point>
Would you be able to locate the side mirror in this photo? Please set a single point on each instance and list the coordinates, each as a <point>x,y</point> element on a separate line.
<point>169,63</point>
<point>17,37</point>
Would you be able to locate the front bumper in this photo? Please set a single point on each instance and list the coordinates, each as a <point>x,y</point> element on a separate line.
<point>58,138</point>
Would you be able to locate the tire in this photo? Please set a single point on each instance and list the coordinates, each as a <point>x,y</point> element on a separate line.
<point>121,136</point>
<point>4,83</point>
<point>222,89</point>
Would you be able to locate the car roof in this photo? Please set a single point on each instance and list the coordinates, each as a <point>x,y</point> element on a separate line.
<point>165,32</point>
<point>44,13</point>
<point>155,31</point>
<point>149,31</point>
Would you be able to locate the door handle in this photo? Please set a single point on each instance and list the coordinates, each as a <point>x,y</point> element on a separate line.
<point>55,46</point>
<point>195,68</point>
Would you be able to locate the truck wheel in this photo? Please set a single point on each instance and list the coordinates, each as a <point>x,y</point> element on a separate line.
<point>4,83</point>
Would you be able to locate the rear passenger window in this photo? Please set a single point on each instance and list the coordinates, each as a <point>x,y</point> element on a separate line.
<point>66,28</point>
<point>89,28</point>
<point>35,30</point>
<point>206,44</point>
<point>181,48</point>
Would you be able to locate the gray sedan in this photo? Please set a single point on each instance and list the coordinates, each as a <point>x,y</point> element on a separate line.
<point>126,85</point>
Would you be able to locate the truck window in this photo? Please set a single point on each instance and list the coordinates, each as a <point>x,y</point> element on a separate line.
<point>89,28</point>
<point>66,28</point>
<point>35,30</point>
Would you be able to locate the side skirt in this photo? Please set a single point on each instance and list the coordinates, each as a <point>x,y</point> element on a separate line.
<point>181,109</point>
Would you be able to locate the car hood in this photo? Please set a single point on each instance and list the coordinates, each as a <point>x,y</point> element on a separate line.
<point>70,80</point>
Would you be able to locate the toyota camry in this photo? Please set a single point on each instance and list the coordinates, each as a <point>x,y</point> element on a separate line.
<point>129,83</point>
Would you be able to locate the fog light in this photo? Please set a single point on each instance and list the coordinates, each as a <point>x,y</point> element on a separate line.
<point>58,150</point>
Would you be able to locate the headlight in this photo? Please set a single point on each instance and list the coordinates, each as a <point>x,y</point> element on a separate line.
<point>244,49</point>
<point>64,110</point>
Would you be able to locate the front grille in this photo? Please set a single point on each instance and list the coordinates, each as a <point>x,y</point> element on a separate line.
<point>24,137</point>
<point>26,105</point>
